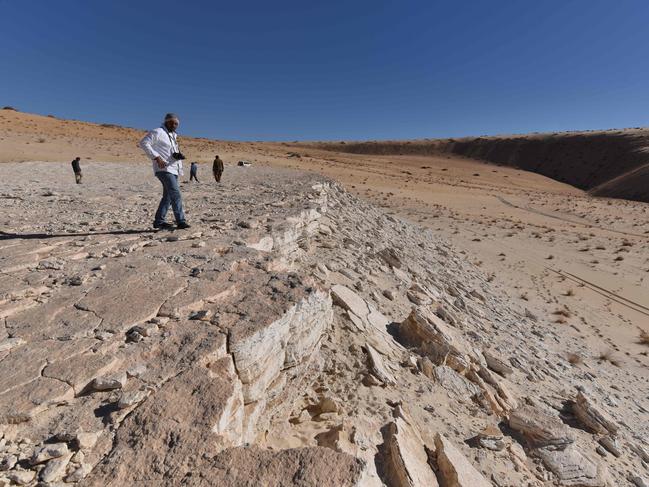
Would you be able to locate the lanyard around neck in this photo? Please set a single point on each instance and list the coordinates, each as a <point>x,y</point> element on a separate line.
<point>172,140</point>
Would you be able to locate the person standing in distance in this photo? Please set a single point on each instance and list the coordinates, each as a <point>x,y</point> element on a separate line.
<point>193,172</point>
<point>76,167</point>
<point>217,169</point>
<point>161,146</point>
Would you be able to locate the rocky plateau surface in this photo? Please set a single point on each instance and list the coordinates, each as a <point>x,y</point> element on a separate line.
<point>294,336</point>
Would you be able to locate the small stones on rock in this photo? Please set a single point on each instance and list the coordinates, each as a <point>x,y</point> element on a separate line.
<point>80,473</point>
<point>108,383</point>
<point>86,440</point>
<point>47,452</point>
<point>612,445</point>
<point>75,280</point>
<point>202,315</point>
<point>55,469</point>
<point>491,438</point>
<point>497,363</point>
<point>132,398</point>
<point>21,477</point>
<point>325,405</point>
<point>8,462</point>
<point>417,295</point>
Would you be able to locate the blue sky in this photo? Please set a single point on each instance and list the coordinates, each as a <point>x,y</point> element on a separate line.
<point>289,70</point>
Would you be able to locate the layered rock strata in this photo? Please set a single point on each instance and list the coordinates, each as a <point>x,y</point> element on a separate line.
<point>294,336</point>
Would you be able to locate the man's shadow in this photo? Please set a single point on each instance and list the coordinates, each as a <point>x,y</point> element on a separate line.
<point>39,236</point>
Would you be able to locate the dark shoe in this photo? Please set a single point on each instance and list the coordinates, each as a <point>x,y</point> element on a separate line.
<point>163,226</point>
<point>183,225</point>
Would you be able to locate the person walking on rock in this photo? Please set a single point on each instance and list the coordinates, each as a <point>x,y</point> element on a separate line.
<point>76,167</point>
<point>161,146</point>
<point>193,172</point>
<point>217,169</point>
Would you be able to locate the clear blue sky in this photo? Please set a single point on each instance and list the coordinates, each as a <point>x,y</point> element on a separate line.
<point>287,70</point>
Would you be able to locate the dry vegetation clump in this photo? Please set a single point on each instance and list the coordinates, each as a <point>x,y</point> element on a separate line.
<point>644,338</point>
<point>609,356</point>
<point>569,292</point>
<point>565,312</point>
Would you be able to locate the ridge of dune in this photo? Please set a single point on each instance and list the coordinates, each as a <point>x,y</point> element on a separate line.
<point>586,160</point>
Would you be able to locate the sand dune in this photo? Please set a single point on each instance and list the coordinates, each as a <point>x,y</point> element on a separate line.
<point>586,160</point>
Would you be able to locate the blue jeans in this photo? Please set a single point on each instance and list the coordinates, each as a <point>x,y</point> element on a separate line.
<point>170,197</point>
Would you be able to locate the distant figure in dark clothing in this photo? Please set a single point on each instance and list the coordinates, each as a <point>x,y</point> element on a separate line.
<point>217,169</point>
<point>76,167</point>
<point>193,172</point>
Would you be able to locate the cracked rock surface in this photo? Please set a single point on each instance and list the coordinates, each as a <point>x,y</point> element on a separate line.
<point>294,336</point>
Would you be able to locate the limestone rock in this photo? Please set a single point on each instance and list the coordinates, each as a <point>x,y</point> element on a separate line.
<point>454,382</point>
<point>79,474</point>
<point>592,416</point>
<point>417,295</point>
<point>21,477</point>
<point>8,462</point>
<point>132,398</point>
<point>377,367</point>
<point>49,451</point>
<point>108,383</point>
<point>496,363</point>
<point>454,469</point>
<point>539,428</point>
<point>86,440</point>
<point>573,468</point>
<point>435,339</point>
<point>55,468</point>
<point>611,444</point>
<point>349,300</point>
<point>491,438</point>
<point>406,460</point>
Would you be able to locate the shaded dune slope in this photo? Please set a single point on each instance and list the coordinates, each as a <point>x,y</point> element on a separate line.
<point>611,163</point>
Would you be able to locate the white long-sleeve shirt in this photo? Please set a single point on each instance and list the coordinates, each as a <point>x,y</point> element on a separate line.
<point>162,143</point>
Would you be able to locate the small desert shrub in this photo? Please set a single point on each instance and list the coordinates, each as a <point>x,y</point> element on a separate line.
<point>569,292</point>
<point>42,141</point>
<point>608,356</point>
<point>9,108</point>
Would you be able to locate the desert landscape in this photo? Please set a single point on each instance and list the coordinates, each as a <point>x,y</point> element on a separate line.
<point>457,312</point>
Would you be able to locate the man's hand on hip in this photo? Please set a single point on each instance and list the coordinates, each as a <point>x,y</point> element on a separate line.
<point>161,163</point>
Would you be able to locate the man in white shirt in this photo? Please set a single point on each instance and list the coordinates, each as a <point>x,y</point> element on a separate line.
<point>161,146</point>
